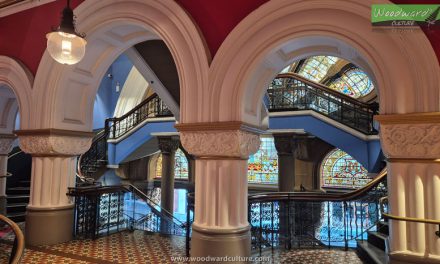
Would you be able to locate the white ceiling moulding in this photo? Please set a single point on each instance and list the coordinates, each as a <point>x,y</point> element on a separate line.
<point>11,7</point>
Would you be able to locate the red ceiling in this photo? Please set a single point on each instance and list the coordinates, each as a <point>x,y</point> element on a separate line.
<point>22,35</point>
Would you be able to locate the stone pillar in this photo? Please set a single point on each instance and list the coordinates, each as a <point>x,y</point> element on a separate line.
<point>168,146</point>
<point>5,148</point>
<point>411,143</point>
<point>221,226</point>
<point>284,143</point>
<point>49,217</point>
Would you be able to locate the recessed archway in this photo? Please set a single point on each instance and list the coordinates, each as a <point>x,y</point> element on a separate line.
<point>112,28</point>
<point>280,32</point>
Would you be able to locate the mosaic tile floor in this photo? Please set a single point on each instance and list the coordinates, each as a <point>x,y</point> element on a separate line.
<point>141,247</point>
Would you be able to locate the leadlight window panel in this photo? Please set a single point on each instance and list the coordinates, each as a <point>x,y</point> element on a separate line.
<point>180,166</point>
<point>354,83</point>
<point>263,165</point>
<point>316,68</point>
<point>340,170</point>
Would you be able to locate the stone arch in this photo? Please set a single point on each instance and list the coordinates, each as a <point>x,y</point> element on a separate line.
<point>15,92</point>
<point>280,32</point>
<point>111,28</point>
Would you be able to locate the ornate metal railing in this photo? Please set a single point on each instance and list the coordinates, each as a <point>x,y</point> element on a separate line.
<point>150,107</point>
<point>292,92</point>
<point>17,249</point>
<point>95,157</point>
<point>315,220</point>
<point>102,210</point>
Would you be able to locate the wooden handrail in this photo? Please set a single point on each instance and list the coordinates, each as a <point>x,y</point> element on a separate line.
<point>404,218</point>
<point>304,196</point>
<point>144,102</point>
<point>19,239</point>
<point>322,87</point>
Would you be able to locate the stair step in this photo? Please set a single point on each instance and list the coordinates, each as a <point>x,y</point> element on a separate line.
<point>383,227</point>
<point>16,207</point>
<point>371,254</point>
<point>25,183</point>
<point>17,198</point>
<point>18,190</point>
<point>17,216</point>
<point>377,239</point>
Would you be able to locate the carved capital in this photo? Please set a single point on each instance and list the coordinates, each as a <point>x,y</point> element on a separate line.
<point>220,143</point>
<point>284,144</point>
<point>54,142</point>
<point>6,143</point>
<point>168,144</point>
<point>410,136</point>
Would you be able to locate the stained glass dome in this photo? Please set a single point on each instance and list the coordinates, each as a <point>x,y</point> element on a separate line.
<point>354,83</point>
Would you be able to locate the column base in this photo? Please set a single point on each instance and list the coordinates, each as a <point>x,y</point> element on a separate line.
<point>220,243</point>
<point>3,205</point>
<point>48,226</point>
<point>405,258</point>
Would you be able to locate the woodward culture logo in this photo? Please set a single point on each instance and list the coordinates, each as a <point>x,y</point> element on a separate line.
<point>390,15</point>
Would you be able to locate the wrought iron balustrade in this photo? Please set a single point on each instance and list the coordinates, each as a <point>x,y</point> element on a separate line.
<point>291,92</point>
<point>315,220</point>
<point>102,210</point>
<point>149,108</point>
<point>95,157</point>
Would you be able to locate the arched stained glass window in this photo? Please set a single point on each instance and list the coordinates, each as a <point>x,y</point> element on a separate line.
<point>316,68</point>
<point>180,166</point>
<point>340,170</point>
<point>354,83</point>
<point>263,165</point>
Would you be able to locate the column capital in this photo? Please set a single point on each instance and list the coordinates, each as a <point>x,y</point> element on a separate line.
<point>168,144</point>
<point>54,142</point>
<point>410,136</point>
<point>219,140</point>
<point>6,141</point>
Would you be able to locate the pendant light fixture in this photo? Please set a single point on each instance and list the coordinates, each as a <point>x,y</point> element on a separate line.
<point>64,44</point>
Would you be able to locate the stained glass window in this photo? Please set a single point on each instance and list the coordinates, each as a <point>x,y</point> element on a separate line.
<point>340,170</point>
<point>180,166</point>
<point>263,165</point>
<point>316,68</point>
<point>354,83</point>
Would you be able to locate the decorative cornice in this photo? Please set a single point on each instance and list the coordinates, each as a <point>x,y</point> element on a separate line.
<point>220,144</point>
<point>54,142</point>
<point>412,118</point>
<point>218,126</point>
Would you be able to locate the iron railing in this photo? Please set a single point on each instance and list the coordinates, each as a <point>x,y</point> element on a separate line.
<point>292,92</point>
<point>310,220</point>
<point>149,108</point>
<point>116,127</point>
<point>103,210</point>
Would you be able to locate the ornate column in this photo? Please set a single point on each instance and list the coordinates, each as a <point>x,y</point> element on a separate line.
<point>411,143</point>
<point>168,146</point>
<point>221,149</point>
<point>49,217</point>
<point>285,145</point>
<point>5,148</point>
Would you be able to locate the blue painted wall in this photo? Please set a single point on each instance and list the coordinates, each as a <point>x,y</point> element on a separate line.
<point>118,152</point>
<point>107,97</point>
<point>366,152</point>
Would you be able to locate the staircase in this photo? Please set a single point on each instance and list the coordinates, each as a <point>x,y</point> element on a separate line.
<point>17,200</point>
<point>292,92</point>
<point>373,250</point>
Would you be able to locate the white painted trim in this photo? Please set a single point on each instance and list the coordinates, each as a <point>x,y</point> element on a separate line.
<point>113,166</point>
<point>165,134</point>
<point>148,120</point>
<point>326,120</point>
<point>21,6</point>
<point>288,130</point>
<point>154,82</point>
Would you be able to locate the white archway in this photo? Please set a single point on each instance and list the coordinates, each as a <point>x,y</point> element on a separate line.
<point>111,28</point>
<point>15,92</point>
<point>282,31</point>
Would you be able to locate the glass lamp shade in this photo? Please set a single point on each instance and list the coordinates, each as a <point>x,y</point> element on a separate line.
<point>66,48</point>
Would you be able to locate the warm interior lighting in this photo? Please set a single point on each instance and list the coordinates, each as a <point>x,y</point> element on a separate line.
<point>64,44</point>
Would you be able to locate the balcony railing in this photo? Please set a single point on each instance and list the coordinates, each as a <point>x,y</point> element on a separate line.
<point>291,92</point>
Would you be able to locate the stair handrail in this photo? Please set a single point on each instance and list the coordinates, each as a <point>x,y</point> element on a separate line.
<point>384,200</point>
<point>18,247</point>
<point>111,122</point>
<point>324,88</point>
<point>101,135</point>
<point>313,196</point>
<point>145,197</point>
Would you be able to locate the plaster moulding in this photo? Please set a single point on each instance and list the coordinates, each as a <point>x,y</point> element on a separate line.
<point>6,143</point>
